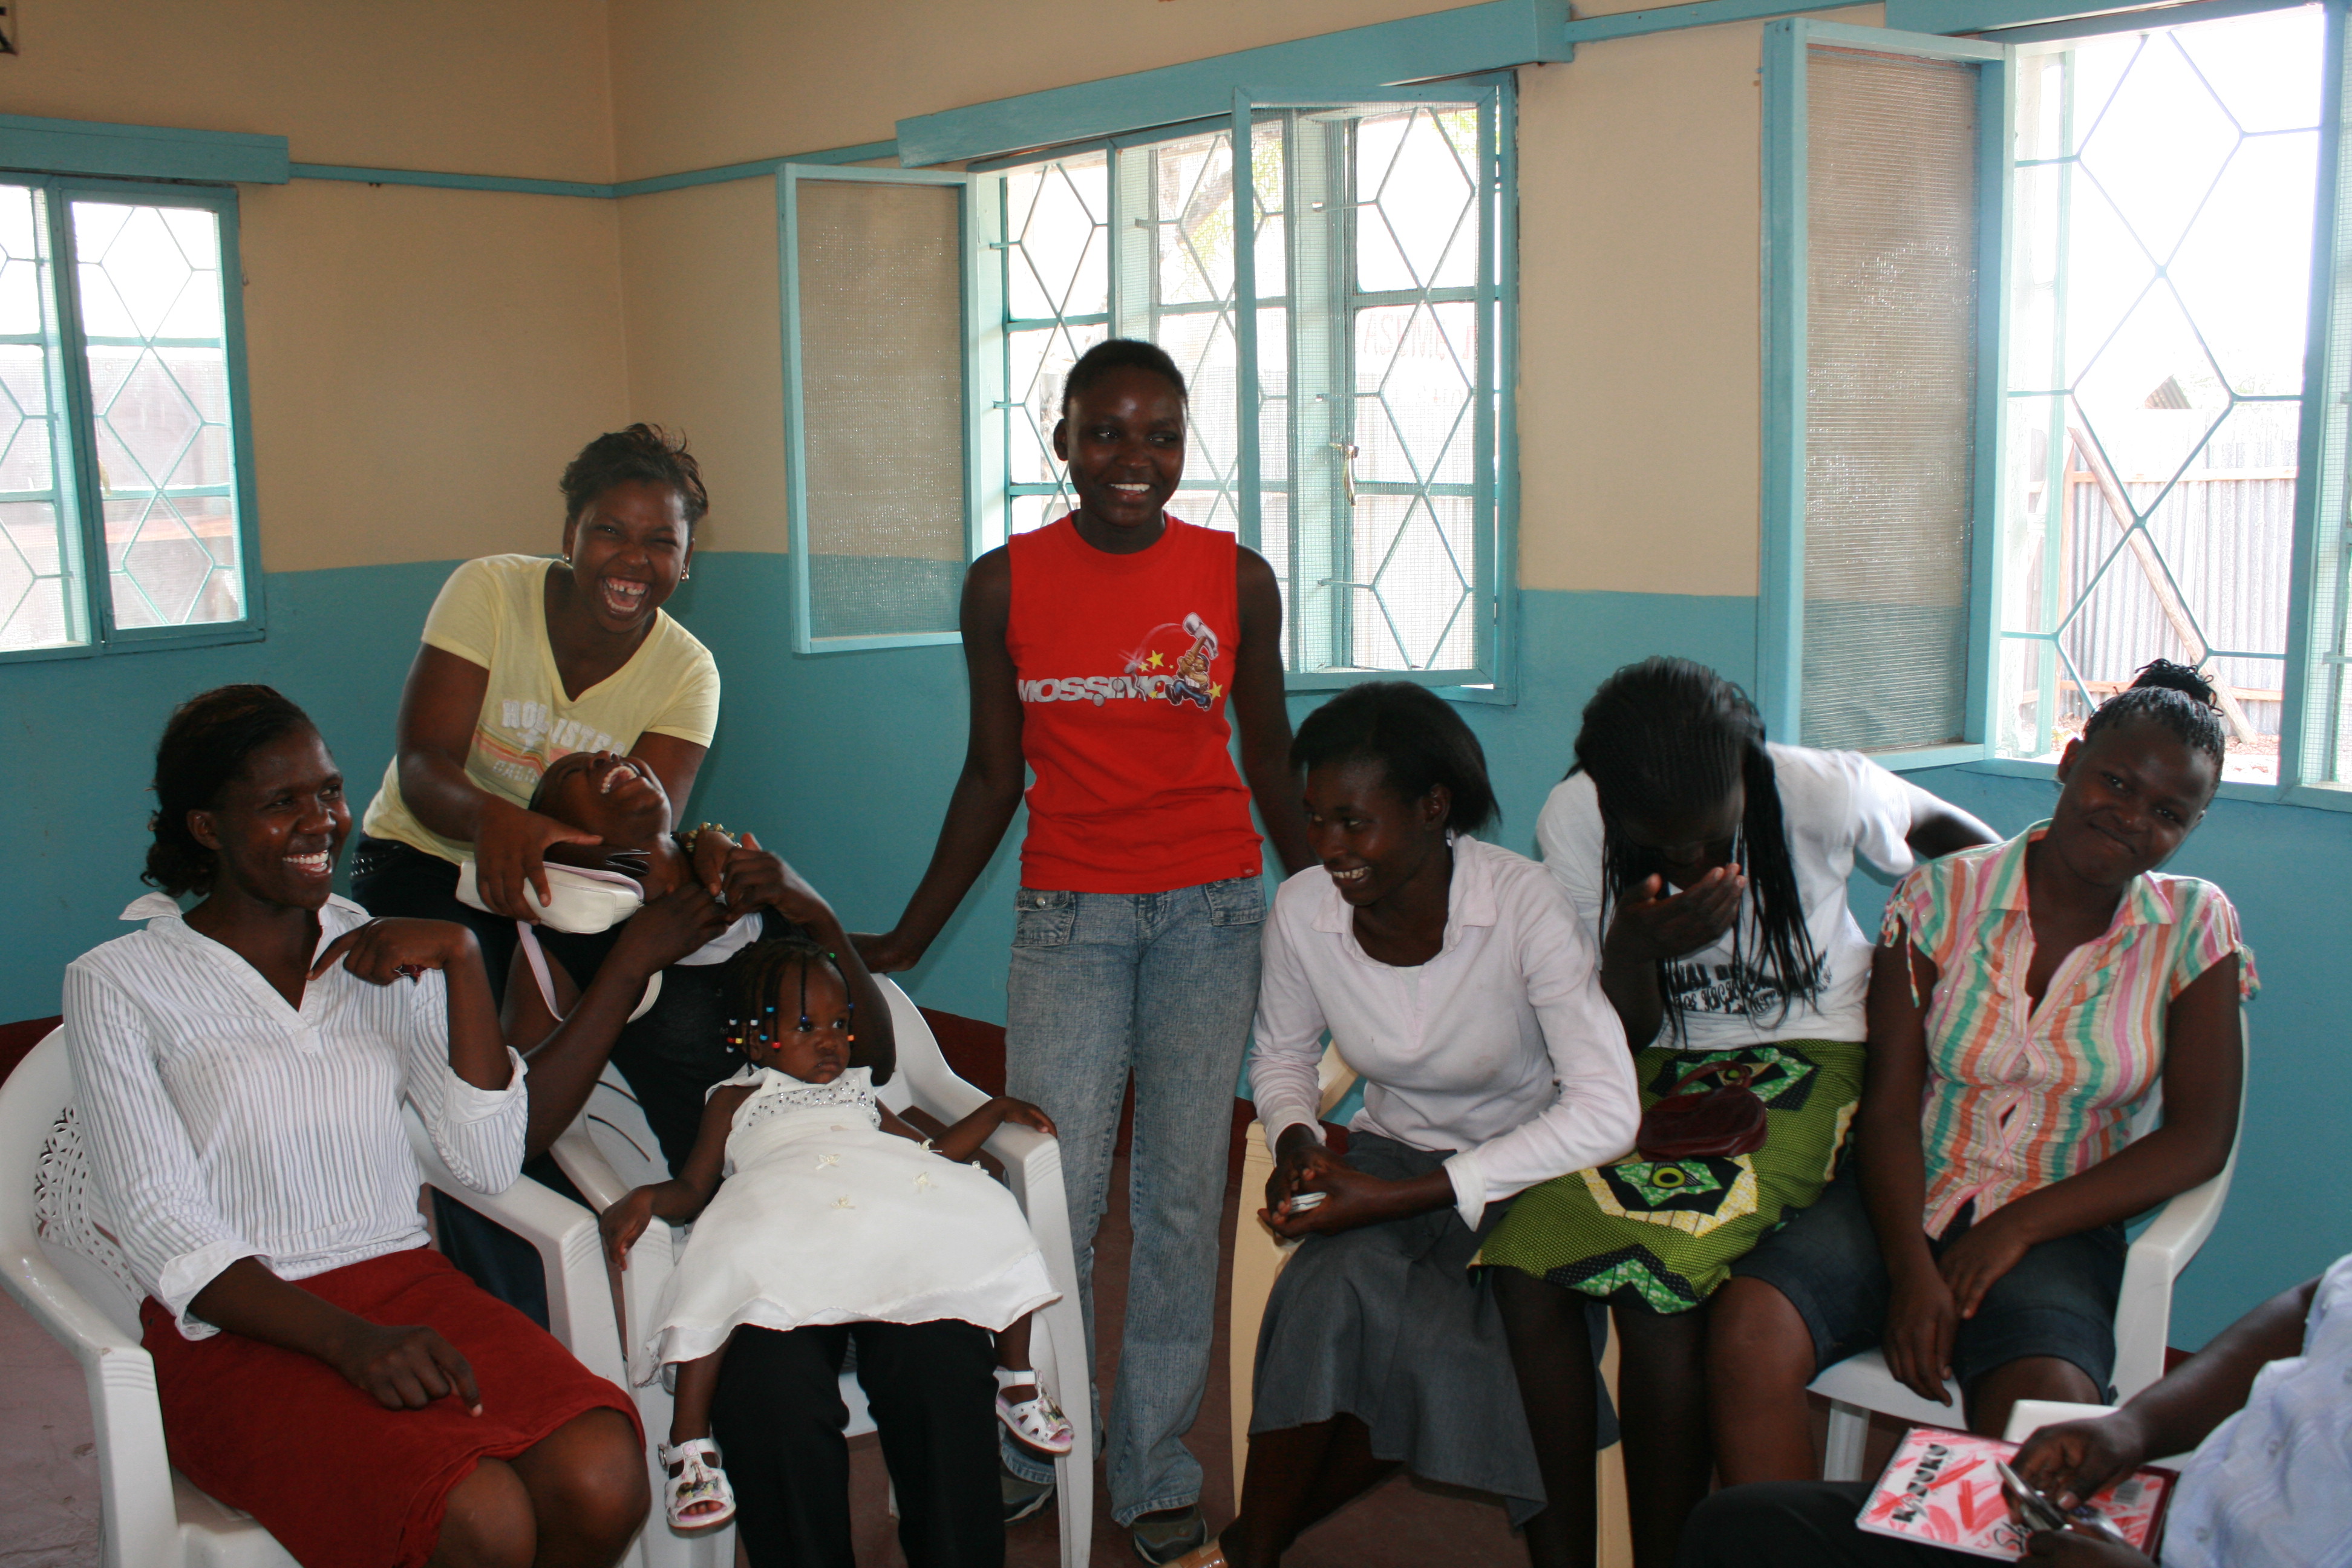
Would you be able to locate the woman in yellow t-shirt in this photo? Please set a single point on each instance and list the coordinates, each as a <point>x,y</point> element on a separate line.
<point>526,660</point>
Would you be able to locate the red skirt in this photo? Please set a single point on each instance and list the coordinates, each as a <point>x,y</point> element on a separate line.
<point>339,1479</point>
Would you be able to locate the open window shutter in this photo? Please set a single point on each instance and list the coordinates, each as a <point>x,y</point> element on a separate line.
<point>877,294</point>
<point>1884,185</point>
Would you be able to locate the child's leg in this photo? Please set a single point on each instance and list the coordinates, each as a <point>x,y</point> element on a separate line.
<point>1013,1355</point>
<point>690,1411</point>
<point>1026,1411</point>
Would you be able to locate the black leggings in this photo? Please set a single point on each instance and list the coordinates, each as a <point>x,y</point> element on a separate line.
<point>778,1418</point>
<point>1797,1524</point>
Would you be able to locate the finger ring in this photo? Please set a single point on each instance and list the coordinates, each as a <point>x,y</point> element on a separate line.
<point>413,970</point>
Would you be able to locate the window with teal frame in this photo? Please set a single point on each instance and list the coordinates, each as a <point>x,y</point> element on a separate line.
<point>2148,457</point>
<point>1345,363</point>
<point>126,498</point>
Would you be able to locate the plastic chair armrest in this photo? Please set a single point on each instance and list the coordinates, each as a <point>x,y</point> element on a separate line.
<point>139,1523</point>
<point>937,1089</point>
<point>570,1251</point>
<point>2144,1304</point>
<point>577,1156</point>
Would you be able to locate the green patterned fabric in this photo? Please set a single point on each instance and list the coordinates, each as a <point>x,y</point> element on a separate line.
<point>1669,1231</point>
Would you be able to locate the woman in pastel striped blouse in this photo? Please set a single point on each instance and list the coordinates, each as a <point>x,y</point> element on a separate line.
<point>2024,1000</point>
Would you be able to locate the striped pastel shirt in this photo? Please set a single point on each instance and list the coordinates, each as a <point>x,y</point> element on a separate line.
<point>222,1123</point>
<point>2019,1097</point>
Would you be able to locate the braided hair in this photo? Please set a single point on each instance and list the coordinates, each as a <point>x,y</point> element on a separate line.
<point>1669,735</point>
<point>2174,695</point>
<point>754,978</point>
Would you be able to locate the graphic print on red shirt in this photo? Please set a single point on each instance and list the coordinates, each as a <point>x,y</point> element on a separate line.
<point>1123,665</point>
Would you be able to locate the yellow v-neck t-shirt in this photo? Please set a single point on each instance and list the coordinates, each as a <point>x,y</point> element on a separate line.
<point>493,612</point>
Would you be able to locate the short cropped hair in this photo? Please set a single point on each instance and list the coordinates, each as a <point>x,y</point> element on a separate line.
<point>1417,738</point>
<point>1112,354</point>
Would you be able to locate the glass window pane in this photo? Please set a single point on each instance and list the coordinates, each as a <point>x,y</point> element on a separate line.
<point>152,316</point>
<point>41,594</point>
<point>2158,324</point>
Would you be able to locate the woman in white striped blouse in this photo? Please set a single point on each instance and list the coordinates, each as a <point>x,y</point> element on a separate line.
<point>238,1073</point>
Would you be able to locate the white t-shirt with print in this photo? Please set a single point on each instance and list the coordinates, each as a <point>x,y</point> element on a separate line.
<point>1836,805</point>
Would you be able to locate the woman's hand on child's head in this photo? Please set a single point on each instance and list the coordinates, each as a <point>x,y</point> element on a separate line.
<point>1652,925</point>
<point>670,927</point>
<point>511,848</point>
<point>1975,1264</point>
<point>758,878</point>
<point>625,1222</point>
<point>709,858</point>
<point>1022,1113</point>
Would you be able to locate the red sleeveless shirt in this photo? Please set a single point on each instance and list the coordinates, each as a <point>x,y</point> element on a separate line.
<point>1123,664</point>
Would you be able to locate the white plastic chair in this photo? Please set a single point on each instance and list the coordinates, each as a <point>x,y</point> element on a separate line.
<point>609,1148</point>
<point>1861,1384</point>
<point>56,1261</point>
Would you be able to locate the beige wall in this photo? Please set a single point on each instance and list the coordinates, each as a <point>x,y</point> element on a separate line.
<point>705,344</point>
<point>1639,285</point>
<point>422,362</point>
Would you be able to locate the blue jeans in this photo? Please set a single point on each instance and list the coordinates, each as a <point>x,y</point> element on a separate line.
<point>1161,986</point>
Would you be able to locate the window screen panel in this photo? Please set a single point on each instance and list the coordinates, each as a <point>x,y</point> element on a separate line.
<point>1890,398</point>
<point>42,602</point>
<point>878,286</point>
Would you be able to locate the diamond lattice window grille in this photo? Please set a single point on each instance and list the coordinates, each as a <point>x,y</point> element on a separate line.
<point>1367,245</point>
<point>2160,280</point>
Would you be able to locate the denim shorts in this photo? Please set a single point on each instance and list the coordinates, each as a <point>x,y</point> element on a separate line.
<point>2059,1299</point>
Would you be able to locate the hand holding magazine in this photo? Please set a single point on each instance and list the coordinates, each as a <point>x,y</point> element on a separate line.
<point>1946,1488</point>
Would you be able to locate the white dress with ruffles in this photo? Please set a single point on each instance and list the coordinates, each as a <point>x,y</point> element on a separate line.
<point>825,1218</point>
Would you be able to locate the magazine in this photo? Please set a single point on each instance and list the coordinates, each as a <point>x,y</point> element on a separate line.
<point>1942,1489</point>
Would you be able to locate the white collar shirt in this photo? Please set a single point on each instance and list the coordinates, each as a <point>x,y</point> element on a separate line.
<point>1501,1048</point>
<point>222,1123</point>
<point>2273,1484</point>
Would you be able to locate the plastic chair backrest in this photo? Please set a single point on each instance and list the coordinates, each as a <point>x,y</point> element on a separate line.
<point>66,1213</point>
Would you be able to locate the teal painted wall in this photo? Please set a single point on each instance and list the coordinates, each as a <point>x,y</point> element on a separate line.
<point>843,762</point>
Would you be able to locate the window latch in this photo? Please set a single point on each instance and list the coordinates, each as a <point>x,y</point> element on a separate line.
<point>1347,451</point>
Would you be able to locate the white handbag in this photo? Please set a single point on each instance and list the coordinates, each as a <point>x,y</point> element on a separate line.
<point>582,902</point>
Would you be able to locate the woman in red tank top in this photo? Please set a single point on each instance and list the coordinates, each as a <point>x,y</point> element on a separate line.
<point>1104,652</point>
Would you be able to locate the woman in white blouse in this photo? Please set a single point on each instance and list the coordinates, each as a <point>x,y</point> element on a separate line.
<point>238,1074</point>
<point>1455,980</point>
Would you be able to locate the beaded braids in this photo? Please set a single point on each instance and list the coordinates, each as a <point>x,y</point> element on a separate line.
<point>204,747</point>
<point>2172,695</point>
<point>754,978</point>
<point>1669,735</point>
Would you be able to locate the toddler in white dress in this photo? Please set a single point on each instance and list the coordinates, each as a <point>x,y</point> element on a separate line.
<point>833,1210</point>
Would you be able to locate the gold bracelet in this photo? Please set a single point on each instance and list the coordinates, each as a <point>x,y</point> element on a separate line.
<point>692,836</point>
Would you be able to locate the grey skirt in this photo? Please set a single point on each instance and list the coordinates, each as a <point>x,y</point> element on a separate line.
<point>1388,1324</point>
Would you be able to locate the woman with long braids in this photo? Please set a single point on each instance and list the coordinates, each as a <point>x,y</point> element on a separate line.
<point>1710,867</point>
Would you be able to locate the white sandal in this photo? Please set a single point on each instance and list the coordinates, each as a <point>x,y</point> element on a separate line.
<point>698,1481</point>
<point>1037,1421</point>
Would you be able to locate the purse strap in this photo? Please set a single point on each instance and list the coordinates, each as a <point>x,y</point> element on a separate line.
<point>1735,1075</point>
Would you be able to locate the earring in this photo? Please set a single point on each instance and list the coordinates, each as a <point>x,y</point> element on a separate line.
<point>567,557</point>
<point>686,576</point>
